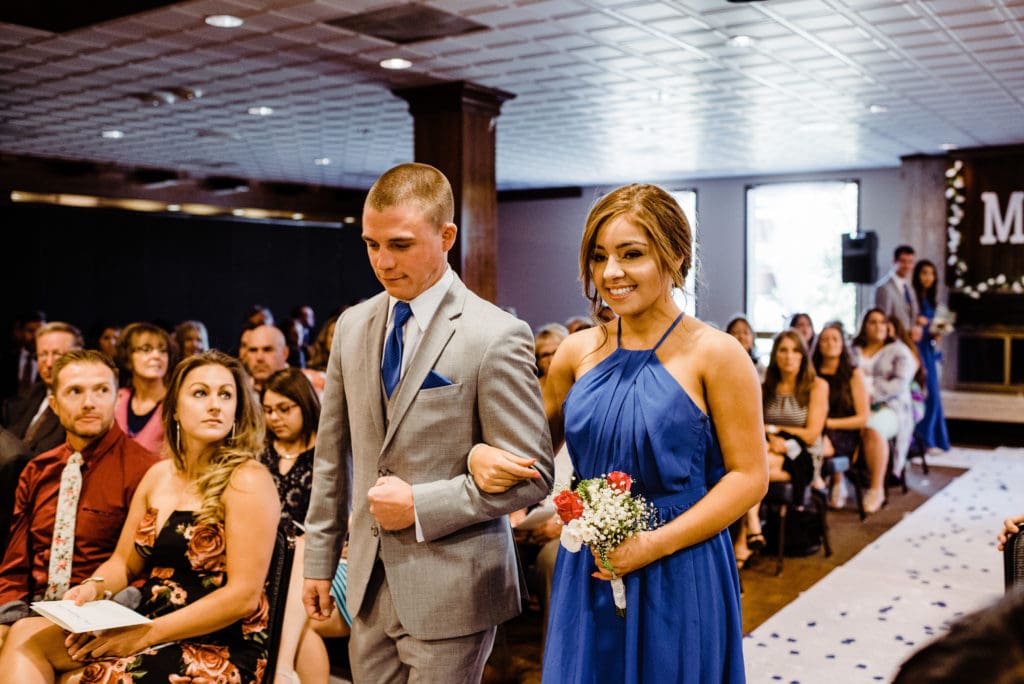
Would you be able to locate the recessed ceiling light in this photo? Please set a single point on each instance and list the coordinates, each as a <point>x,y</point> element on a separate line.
<point>741,41</point>
<point>949,146</point>
<point>224,21</point>
<point>173,207</point>
<point>113,134</point>
<point>261,111</point>
<point>395,63</point>
<point>878,109</point>
<point>298,217</point>
<point>349,220</point>
<point>322,161</point>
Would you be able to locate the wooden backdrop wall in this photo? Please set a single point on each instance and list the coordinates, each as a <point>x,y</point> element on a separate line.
<point>90,266</point>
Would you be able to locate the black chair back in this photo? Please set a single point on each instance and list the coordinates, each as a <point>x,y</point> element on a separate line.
<point>278,576</point>
<point>1013,560</point>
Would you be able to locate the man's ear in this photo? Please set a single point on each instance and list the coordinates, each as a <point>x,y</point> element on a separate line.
<point>448,233</point>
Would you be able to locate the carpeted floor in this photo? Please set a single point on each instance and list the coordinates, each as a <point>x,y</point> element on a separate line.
<point>937,563</point>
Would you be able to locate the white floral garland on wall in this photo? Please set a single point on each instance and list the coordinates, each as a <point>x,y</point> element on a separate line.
<point>954,215</point>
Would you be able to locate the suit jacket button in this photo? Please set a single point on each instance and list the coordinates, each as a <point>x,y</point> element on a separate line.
<point>374,530</point>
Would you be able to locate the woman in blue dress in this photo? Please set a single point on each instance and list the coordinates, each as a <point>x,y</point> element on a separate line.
<point>676,405</point>
<point>931,429</point>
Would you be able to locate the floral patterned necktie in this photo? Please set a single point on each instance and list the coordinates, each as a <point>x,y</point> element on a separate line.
<point>63,546</point>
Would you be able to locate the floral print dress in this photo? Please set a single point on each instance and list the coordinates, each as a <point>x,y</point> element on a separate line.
<point>187,561</point>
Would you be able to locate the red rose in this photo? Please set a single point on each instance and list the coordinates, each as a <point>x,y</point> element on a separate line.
<point>206,550</point>
<point>206,662</point>
<point>619,481</point>
<point>258,621</point>
<point>145,533</point>
<point>569,505</point>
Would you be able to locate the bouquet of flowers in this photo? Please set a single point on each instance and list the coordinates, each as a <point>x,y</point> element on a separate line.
<point>602,514</point>
<point>942,322</point>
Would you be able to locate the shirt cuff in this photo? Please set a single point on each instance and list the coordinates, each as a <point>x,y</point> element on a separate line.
<point>12,611</point>
<point>469,459</point>
<point>419,530</point>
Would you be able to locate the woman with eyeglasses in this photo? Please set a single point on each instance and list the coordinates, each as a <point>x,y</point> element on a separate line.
<point>144,356</point>
<point>292,411</point>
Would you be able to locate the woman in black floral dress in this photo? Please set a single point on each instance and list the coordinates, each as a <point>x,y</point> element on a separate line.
<point>292,411</point>
<point>201,530</point>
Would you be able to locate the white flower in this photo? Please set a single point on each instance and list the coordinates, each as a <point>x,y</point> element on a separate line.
<point>959,282</point>
<point>1001,279</point>
<point>571,538</point>
<point>951,260</point>
<point>958,182</point>
<point>1016,287</point>
<point>982,287</point>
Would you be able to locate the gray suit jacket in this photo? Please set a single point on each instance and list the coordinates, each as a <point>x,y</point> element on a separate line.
<point>463,577</point>
<point>890,299</point>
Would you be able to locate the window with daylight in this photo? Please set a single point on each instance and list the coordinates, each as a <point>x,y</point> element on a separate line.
<point>686,298</point>
<point>794,254</point>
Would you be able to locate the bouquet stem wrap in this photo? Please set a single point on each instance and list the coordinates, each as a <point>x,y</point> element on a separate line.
<point>602,514</point>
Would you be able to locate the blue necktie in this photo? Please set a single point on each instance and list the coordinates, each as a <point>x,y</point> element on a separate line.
<point>906,294</point>
<point>391,369</point>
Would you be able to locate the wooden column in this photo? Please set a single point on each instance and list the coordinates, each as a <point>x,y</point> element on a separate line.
<point>454,129</point>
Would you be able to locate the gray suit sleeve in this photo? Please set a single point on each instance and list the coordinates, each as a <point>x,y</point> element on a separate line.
<point>511,415</point>
<point>327,518</point>
<point>883,300</point>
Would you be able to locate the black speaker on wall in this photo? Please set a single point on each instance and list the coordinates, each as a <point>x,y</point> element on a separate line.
<point>859,263</point>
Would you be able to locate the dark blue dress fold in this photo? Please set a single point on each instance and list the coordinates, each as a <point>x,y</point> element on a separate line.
<point>932,428</point>
<point>682,620</point>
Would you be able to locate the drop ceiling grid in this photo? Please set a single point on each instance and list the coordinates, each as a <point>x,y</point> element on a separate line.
<point>578,58</point>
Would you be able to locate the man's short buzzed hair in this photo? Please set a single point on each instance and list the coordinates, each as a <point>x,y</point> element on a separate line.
<point>59,326</point>
<point>413,183</point>
<point>901,250</point>
<point>82,356</point>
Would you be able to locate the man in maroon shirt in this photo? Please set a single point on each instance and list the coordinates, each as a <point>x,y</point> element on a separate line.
<point>84,394</point>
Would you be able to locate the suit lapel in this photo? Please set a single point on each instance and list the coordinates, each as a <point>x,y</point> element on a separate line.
<point>373,349</point>
<point>433,342</point>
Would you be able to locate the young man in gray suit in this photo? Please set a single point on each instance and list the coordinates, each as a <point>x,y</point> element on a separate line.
<point>418,376</point>
<point>894,294</point>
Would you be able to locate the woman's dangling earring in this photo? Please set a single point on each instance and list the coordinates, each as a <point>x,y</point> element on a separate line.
<point>177,436</point>
<point>232,432</point>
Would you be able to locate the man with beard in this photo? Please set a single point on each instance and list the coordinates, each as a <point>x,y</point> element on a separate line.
<point>111,466</point>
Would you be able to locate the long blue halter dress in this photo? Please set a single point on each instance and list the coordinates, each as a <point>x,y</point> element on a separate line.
<point>682,620</point>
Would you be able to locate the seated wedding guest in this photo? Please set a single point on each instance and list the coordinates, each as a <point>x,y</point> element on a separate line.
<point>795,404</point>
<point>545,342</point>
<point>106,341</point>
<point>258,315</point>
<point>294,333</point>
<point>321,349</point>
<point>266,353</point>
<point>30,426</point>
<point>71,501</point>
<point>19,360</point>
<point>740,328</point>
<point>577,323</point>
<point>201,530</point>
<point>292,410</point>
<point>848,406</point>
<point>889,367</point>
<point>192,338</point>
<point>144,355</point>
<point>801,322</point>
<point>30,418</point>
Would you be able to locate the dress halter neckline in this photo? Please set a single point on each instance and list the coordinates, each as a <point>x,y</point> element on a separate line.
<point>618,334</point>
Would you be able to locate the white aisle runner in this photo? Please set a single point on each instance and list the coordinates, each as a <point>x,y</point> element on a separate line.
<point>940,562</point>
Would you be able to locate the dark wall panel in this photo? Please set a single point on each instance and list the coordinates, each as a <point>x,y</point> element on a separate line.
<point>86,266</point>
